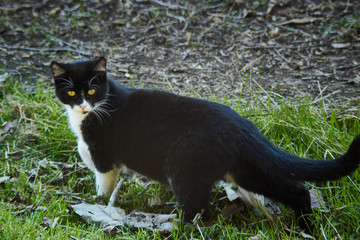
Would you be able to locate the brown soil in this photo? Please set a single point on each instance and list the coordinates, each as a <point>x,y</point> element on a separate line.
<point>279,48</point>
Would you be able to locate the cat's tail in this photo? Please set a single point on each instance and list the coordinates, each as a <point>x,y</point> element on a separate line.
<point>323,170</point>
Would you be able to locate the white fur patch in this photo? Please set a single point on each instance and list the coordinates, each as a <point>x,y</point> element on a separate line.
<point>105,182</point>
<point>85,154</point>
<point>76,116</point>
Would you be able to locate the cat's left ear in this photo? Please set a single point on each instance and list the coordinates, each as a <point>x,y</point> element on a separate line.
<point>100,65</point>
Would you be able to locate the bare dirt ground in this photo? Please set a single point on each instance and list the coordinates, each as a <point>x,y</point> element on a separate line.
<point>226,48</point>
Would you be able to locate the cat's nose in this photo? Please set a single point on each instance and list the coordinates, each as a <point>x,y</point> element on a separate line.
<point>82,107</point>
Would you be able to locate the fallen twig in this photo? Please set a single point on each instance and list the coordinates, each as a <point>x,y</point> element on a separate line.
<point>169,5</point>
<point>44,49</point>
<point>115,192</point>
<point>72,237</point>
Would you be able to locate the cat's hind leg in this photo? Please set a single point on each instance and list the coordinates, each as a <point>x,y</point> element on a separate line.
<point>290,192</point>
<point>193,165</point>
<point>192,196</point>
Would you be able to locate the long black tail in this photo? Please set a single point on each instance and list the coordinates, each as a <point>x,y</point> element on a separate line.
<point>322,170</point>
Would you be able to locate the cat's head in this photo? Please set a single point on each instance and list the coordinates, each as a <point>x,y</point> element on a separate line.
<point>81,85</point>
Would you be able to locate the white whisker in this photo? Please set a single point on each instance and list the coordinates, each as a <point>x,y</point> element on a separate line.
<point>98,116</point>
<point>102,110</point>
<point>67,82</point>
<point>110,95</point>
<point>96,87</point>
<point>92,79</point>
<point>65,85</point>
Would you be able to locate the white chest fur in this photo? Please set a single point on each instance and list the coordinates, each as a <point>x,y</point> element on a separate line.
<point>105,182</point>
<point>75,120</point>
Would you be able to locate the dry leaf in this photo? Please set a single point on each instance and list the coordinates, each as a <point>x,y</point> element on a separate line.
<point>155,201</point>
<point>252,63</point>
<point>275,32</point>
<point>271,206</point>
<point>6,127</point>
<point>4,179</point>
<point>249,197</point>
<point>163,222</point>
<point>340,45</point>
<point>43,163</point>
<point>230,193</point>
<point>33,172</point>
<point>300,21</point>
<point>3,77</point>
<point>229,211</point>
<point>30,209</point>
<point>106,215</point>
<point>249,41</point>
<point>188,37</point>
<point>317,201</point>
<point>61,165</point>
<point>51,223</point>
<point>306,236</point>
<point>54,11</point>
<point>110,216</point>
<point>300,233</point>
<point>257,237</point>
<point>256,200</point>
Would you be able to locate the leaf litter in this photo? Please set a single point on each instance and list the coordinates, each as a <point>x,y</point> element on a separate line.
<point>3,77</point>
<point>110,217</point>
<point>269,207</point>
<point>251,199</point>
<point>50,222</point>
<point>220,38</point>
<point>6,128</point>
<point>4,179</point>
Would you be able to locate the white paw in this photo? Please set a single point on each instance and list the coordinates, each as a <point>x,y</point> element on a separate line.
<point>105,182</point>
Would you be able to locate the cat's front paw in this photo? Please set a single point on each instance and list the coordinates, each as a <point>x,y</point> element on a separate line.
<point>105,182</point>
<point>102,191</point>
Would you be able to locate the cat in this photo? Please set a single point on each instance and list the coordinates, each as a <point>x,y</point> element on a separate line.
<point>183,142</point>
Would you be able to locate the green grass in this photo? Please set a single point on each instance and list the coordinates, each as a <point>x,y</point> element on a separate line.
<point>43,133</point>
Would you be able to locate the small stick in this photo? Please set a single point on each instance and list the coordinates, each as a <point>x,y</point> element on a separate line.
<point>72,237</point>
<point>44,49</point>
<point>115,192</point>
<point>198,216</point>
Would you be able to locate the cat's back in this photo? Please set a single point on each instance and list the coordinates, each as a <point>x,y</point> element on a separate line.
<point>164,106</point>
<point>150,101</point>
<point>148,110</point>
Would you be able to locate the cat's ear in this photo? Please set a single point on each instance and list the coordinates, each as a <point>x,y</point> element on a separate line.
<point>100,65</point>
<point>57,69</point>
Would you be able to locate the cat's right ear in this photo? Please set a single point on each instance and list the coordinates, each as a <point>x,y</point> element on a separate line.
<point>57,69</point>
<point>100,65</point>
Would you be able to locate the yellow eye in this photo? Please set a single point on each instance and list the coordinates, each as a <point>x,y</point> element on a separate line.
<point>91,92</point>
<point>71,93</point>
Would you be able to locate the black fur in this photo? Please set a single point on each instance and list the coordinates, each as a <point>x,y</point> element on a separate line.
<point>190,143</point>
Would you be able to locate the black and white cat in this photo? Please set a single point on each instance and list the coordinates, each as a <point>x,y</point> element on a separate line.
<point>183,142</point>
